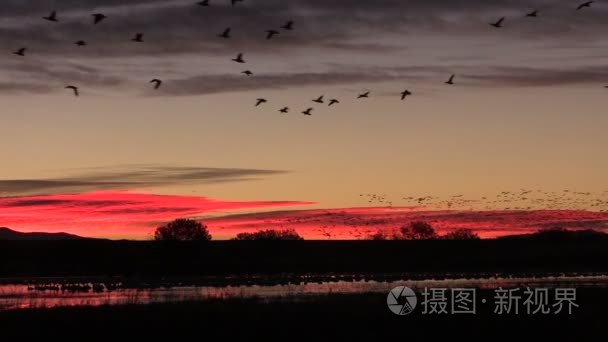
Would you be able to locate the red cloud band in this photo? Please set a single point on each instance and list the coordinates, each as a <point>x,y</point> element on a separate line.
<point>112,214</point>
<point>360,223</point>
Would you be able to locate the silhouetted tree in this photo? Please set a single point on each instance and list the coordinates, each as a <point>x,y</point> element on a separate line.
<point>270,235</point>
<point>418,230</point>
<point>461,234</point>
<point>182,230</point>
<point>560,234</point>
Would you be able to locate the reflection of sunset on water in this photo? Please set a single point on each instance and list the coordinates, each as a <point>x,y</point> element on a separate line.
<point>14,296</point>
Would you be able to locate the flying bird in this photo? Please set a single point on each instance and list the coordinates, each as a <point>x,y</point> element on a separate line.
<point>271,33</point>
<point>319,100</point>
<point>260,101</point>
<point>451,80</point>
<point>247,73</point>
<point>75,89</point>
<point>225,34</point>
<point>234,2</point>
<point>98,17</point>
<point>308,111</point>
<point>81,43</point>
<point>139,38</point>
<point>20,52</point>
<point>364,95</point>
<point>284,110</point>
<point>239,58</point>
<point>532,14</point>
<point>498,24</point>
<point>157,83</point>
<point>52,17</point>
<point>405,94</point>
<point>203,3</point>
<point>288,26</point>
<point>333,102</point>
<point>583,5</point>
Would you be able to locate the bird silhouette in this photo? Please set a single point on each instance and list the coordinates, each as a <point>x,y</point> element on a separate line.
<point>139,38</point>
<point>239,58</point>
<point>203,3</point>
<point>288,26</point>
<point>405,94</point>
<point>271,33</point>
<point>247,73</point>
<point>226,33</point>
<point>75,89</point>
<point>157,83</point>
<point>98,17</point>
<point>451,80</point>
<point>52,17</point>
<point>81,43</point>
<point>333,102</point>
<point>260,101</point>
<point>284,110</point>
<point>234,2</point>
<point>20,52</point>
<point>319,100</point>
<point>498,24</point>
<point>308,111</point>
<point>532,14</point>
<point>583,5</point>
<point>364,95</point>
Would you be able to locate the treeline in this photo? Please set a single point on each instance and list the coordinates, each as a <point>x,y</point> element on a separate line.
<point>420,230</point>
<point>191,230</point>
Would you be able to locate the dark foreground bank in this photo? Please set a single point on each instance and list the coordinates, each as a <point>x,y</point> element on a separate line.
<point>339,317</point>
<point>147,258</point>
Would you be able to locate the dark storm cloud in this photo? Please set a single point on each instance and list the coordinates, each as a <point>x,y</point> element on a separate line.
<point>538,77</point>
<point>496,76</point>
<point>28,7</point>
<point>20,87</point>
<point>210,84</point>
<point>130,177</point>
<point>62,73</point>
<point>356,28</point>
<point>175,27</point>
<point>493,75</point>
<point>37,78</point>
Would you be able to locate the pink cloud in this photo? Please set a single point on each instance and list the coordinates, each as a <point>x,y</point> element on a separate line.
<point>359,223</point>
<point>124,214</point>
<point>112,213</point>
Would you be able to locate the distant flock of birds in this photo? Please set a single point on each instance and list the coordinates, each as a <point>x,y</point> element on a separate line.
<point>523,199</point>
<point>240,59</point>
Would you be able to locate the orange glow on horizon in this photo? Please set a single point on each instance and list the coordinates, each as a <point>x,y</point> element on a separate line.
<point>125,214</point>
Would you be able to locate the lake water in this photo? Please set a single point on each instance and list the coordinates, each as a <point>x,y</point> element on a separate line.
<point>49,294</point>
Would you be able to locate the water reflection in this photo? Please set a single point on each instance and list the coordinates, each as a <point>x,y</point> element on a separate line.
<point>24,296</point>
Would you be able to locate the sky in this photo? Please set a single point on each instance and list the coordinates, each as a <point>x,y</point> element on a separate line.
<point>527,112</point>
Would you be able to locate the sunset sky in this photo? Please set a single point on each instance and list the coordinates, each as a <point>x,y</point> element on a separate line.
<point>528,110</point>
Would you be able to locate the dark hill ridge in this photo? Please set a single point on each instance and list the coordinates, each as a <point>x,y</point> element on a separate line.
<point>12,235</point>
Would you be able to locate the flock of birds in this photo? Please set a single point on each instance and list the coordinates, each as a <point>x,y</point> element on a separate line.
<point>523,199</point>
<point>240,57</point>
<point>362,226</point>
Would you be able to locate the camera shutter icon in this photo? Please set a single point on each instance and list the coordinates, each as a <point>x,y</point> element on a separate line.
<point>401,300</point>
